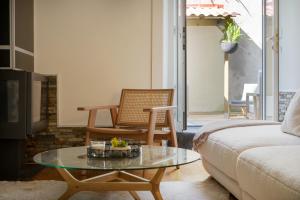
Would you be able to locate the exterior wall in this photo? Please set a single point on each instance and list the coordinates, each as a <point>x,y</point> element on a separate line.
<point>96,48</point>
<point>246,62</point>
<point>205,69</point>
<point>244,66</point>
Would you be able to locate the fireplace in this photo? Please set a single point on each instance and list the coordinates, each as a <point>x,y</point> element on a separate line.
<point>23,113</point>
<point>23,104</point>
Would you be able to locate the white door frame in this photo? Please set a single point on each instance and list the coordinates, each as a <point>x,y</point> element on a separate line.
<point>275,61</point>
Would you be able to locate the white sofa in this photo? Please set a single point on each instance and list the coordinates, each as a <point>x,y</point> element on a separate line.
<point>255,162</point>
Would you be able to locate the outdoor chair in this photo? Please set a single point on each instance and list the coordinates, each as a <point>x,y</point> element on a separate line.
<point>143,115</point>
<point>249,96</point>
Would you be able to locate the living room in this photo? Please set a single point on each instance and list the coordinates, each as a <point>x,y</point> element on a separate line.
<point>93,101</point>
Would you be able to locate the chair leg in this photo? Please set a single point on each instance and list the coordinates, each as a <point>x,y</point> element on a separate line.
<point>244,112</point>
<point>172,129</point>
<point>174,139</point>
<point>228,111</point>
<point>151,128</point>
<point>87,138</point>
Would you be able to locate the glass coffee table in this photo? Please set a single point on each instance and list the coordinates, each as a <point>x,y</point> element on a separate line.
<point>116,179</point>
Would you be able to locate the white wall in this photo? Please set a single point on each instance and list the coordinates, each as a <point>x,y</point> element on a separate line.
<point>289,31</point>
<point>96,47</point>
<point>205,69</point>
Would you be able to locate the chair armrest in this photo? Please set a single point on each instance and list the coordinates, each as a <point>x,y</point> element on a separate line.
<point>156,109</point>
<point>253,94</point>
<point>153,112</point>
<point>248,95</point>
<point>97,107</point>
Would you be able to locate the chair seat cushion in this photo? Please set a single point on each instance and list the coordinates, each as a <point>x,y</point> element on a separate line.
<point>223,147</point>
<point>237,103</point>
<point>270,172</point>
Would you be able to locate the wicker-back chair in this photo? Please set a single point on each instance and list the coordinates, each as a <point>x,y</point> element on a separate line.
<point>143,114</point>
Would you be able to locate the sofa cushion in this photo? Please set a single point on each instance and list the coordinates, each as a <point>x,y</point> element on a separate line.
<point>270,172</point>
<point>291,123</point>
<point>223,147</point>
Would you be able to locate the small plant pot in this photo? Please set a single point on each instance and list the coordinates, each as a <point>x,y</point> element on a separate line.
<point>229,47</point>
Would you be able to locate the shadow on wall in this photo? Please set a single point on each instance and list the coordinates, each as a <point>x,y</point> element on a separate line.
<point>244,66</point>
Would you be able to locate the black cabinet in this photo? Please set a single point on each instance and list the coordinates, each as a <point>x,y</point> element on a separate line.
<point>4,22</point>
<point>24,24</point>
<point>16,83</point>
<point>4,33</point>
<point>17,34</point>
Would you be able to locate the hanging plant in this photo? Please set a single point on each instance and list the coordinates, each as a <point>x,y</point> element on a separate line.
<point>231,36</point>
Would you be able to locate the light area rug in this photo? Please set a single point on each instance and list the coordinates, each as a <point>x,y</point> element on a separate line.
<point>208,189</point>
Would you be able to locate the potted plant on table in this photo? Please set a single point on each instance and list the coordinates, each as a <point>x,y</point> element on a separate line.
<point>232,34</point>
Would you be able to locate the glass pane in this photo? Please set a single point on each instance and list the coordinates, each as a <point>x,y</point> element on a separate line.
<point>150,157</point>
<point>9,101</point>
<point>246,63</point>
<point>289,43</point>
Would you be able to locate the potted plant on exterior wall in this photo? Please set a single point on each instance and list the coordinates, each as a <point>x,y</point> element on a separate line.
<point>232,34</point>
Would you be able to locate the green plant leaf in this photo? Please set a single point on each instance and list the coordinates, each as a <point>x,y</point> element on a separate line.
<point>232,32</point>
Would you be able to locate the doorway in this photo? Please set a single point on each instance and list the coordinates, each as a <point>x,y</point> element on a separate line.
<point>252,64</point>
<point>223,85</point>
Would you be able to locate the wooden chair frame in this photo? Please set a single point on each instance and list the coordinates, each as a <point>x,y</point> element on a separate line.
<point>150,132</point>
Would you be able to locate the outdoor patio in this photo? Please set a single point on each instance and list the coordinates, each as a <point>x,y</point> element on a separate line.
<point>222,84</point>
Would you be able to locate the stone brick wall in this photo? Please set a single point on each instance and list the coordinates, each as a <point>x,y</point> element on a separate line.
<point>284,101</point>
<point>54,137</point>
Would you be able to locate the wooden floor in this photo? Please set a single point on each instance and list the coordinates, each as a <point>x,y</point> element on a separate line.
<point>189,172</point>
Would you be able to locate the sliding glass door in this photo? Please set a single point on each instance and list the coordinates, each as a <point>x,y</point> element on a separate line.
<point>255,63</point>
<point>181,66</point>
<point>289,69</point>
<point>271,55</point>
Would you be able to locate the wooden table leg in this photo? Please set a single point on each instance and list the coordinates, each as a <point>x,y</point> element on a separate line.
<point>70,192</point>
<point>71,184</point>
<point>155,181</point>
<point>129,182</point>
<point>134,195</point>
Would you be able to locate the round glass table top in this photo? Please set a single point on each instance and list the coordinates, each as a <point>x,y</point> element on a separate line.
<point>150,157</point>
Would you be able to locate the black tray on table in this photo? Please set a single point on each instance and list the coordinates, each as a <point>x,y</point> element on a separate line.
<point>109,152</point>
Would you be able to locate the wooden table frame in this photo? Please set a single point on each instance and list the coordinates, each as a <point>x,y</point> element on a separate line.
<point>113,181</point>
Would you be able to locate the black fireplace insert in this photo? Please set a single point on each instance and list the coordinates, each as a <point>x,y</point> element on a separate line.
<point>23,104</point>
